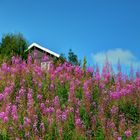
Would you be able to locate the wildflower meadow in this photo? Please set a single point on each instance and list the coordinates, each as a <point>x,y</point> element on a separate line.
<point>67,102</point>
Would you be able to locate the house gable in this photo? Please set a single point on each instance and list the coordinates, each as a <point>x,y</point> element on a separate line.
<point>35,45</point>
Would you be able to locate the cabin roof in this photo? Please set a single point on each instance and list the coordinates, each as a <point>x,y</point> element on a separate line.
<point>42,48</point>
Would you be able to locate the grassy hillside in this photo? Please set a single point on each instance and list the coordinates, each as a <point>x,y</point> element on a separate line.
<point>67,103</point>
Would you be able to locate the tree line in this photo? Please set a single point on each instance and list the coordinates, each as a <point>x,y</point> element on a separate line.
<point>16,44</point>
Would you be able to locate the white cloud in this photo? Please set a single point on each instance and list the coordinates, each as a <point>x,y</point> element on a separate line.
<point>125,57</point>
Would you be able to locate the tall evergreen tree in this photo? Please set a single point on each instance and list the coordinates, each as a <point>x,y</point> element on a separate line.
<point>72,58</point>
<point>13,44</point>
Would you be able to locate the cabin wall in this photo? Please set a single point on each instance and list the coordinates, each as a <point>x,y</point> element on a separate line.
<point>38,54</point>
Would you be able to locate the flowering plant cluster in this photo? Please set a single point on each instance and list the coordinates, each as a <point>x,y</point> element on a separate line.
<point>67,102</point>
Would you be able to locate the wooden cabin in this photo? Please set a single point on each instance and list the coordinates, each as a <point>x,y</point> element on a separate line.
<point>38,52</point>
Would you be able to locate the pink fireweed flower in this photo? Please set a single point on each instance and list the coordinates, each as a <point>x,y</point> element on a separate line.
<point>40,85</point>
<point>14,70</point>
<point>29,96</point>
<point>69,68</point>
<point>71,92</point>
<point>77,82</point>
<point>97,74</point>
<point>119,77</point>
<point>5,119</point>
<point>22,91</point>
<point>119,138</point>
<point>115,95</point>
<point>115,134</point>
<point>27,134</point>
<point>72,86</point>
<point>87,95</point>
<point>16,60</point>
<point>107,77</point>
<point>45,58</point>
<point>7,91</point>
<point>101,85</point>
<point>114,110</point>
<point>94,120</point>
<point>39,96</point>
<point>27,121</point>
<point>63,116</point>
<point>50,110</point>
<point>1,97</point>
<point>78,102</point>
<point>38,71</point>
<point>35,53</point>
<point>5,68</point>
<point>17,98</point>
<point>42,106</point>
<point>2,115</point>
<point>85,87</point>
<point>128,133</point>
<point>50,121</point>
<point>34,125</point>
<point>58,69</point>
<point>20,126</point>
<point>14,113</point>
<point>90,70</point>
<point>42,126</point>
<point>56,101</point>
<point>104,71</point>
<point>29,59</point>
<point>94,104</point>
<point>15,117</point>
<point>8,109</point>
<point>111,125</point>
<point>78,122</point>
<point>13,59</point>
<point>14,109</point>
<point>58,113</point>
<point>47,101</point>
<point>78,70</point>
<point>71,109</point>
<point>52,86</point>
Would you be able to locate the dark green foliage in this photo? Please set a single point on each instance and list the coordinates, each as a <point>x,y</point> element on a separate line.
<point>62,92</point>
<point>85,117</point>
<point>4,136</point>
<point>54,133</point>
<point>39,119</point>
<point>22,131</point>
<point>62,58</point>
<point>131,112</point>
<point>84,63</point>
<point>95,94</point>
<point>79,93</point>
<point>13,44</point>
<point>68,133</point>
<point>99,133</point>
<point>72,58</point>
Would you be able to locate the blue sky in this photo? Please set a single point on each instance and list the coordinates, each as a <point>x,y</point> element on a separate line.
<point>91,28</point>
